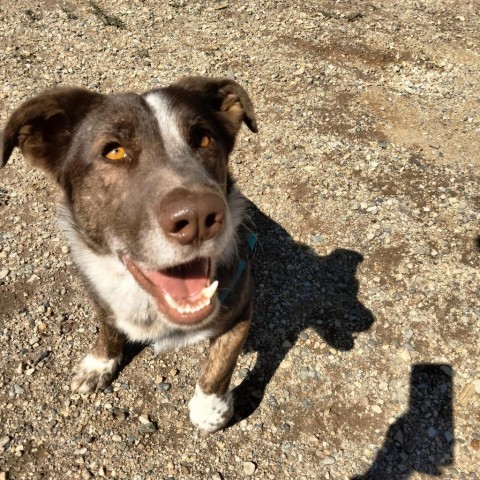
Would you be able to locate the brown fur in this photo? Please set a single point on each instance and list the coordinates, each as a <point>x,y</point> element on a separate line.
<point>67,133</point>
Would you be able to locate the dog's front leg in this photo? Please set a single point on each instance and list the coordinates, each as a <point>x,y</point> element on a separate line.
<point>96,370</point>
<point>211,407</point>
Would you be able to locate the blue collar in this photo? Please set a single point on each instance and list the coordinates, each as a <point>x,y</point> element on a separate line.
<point>242,263</point>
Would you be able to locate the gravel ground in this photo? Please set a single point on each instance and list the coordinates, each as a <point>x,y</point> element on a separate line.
<point>363,358</point>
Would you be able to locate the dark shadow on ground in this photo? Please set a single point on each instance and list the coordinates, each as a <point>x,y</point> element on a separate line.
<point>422,439</point>
<point>297,289</point>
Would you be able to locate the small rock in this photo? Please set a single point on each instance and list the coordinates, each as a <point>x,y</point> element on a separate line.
<point>328,460</point>
<point>120,415</point>
<point>164,386</point>
<point>476,384</point>
<point>116,438</point>
<point>41,356</point>
<point>286,364</point>
<point>144,420</point>
<point>466,394</point>
<point>446,370</point>
<point>4,273</point>
<point>148,428</point>
<point>18,389</point>
<point>249,468</point>
<point>4,441</point>
<point>174,372</point>
<point>448,436</point>
<point>431,432</point>
<point>376,409</point>
<point>405,355</point>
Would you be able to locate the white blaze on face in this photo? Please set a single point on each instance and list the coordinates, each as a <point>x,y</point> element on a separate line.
<point>166,119</point>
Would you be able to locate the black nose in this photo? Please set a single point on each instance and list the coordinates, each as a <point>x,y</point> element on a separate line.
<point>191,218</point>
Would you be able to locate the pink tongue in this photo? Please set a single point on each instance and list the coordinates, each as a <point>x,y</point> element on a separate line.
<point>183,281</point>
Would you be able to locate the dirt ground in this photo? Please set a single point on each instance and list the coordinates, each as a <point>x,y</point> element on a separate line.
<point>362,362</point>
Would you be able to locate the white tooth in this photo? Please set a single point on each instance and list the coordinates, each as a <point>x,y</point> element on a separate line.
<point>171,302</point>
<point>209,292</point>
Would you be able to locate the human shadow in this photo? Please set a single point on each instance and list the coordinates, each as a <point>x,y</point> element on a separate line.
<point>296,289</point>
<point>422,439</point>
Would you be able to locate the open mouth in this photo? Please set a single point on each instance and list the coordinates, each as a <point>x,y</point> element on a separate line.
<point>185,292</point>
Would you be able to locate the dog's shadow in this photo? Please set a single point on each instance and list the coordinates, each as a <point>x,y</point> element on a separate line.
<point>296,289</point>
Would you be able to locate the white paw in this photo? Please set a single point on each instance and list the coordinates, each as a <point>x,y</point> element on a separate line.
<point>211,412</point>
<point>94,373</point>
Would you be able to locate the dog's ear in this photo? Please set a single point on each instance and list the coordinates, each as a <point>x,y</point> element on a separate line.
<point>229,98</point>
<point>42,127</point>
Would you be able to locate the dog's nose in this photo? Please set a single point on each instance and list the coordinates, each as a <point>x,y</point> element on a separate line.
<point>191,218</point>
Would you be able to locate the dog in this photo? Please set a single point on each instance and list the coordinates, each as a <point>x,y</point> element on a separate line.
<point>156,226</point>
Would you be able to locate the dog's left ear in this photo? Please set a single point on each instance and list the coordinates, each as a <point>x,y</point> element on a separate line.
<point>230,99</point>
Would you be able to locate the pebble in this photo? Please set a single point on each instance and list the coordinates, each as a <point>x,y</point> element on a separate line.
<point>286,364</point>
<point>149,427</point>
<point>476,384</point>
<point>41,356</point>
<point>164,386</point>
<point>431,432</point>
<point>405,355</point>
<point>376,409</point>
<point>144,419</point>
<point>4,441</point>
<point>249,468</point>
<point>303,336</point>
<point>328,460</point>
<point>18,389</point>
<point>4,273</point>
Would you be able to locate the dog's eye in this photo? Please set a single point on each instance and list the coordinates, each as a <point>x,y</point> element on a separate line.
<point>204,141</point>
<point>116,153</point>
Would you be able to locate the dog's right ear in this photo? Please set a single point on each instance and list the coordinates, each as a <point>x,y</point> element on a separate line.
<point>42,127</point>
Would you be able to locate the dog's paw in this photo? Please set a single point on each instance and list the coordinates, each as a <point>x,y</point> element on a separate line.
<point>210,413</point>
<point>94,374</point>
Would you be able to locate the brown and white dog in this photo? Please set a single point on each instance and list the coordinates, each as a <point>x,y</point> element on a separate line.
<point>155,224</point>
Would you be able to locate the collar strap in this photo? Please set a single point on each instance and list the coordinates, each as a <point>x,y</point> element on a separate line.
<point>242,263</point>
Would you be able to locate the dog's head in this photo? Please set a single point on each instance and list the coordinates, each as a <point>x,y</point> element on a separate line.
<point>145,178</point>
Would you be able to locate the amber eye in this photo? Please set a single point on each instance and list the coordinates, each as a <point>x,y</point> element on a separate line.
<point>117,153</point>
<point>205,141</point>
